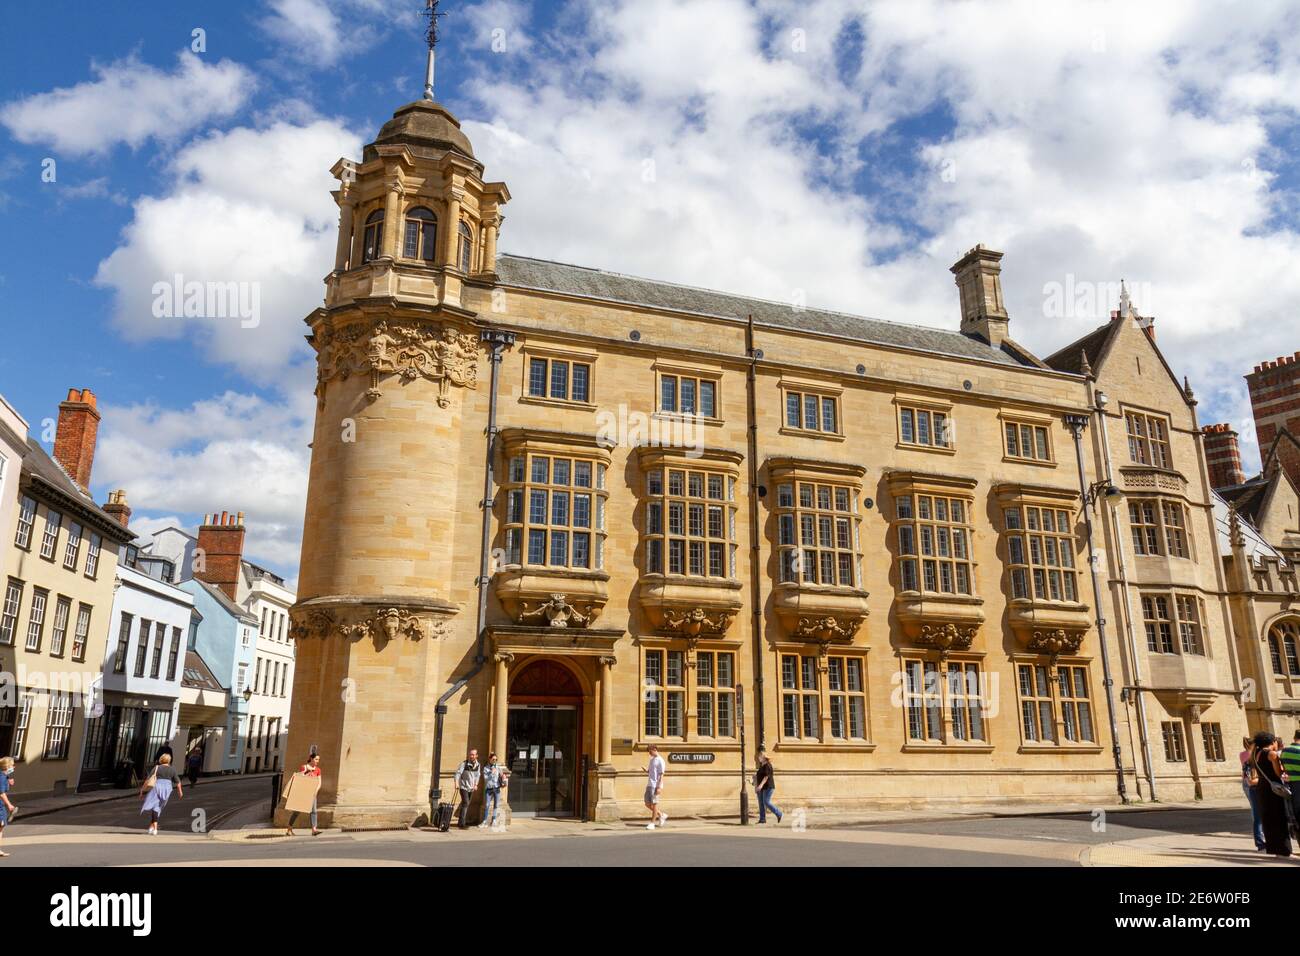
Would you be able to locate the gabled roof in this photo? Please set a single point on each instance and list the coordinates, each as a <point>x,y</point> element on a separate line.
<point>197,674</point>
<point>46,473</point>
<point>1248,498</point>
<point>218,595</point>
<point>582,282</point>
<point>1095,345</point>
<point>1283,436</point>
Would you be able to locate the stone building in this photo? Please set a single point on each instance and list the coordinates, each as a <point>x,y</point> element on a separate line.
<point>714,522</point>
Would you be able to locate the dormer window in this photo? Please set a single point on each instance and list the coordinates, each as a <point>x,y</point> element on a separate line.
<point>421,240</point>
<point>373,240</point>
<point>466,247</point>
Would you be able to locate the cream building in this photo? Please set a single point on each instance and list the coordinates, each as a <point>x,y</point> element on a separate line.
<point>60,558</point>
<point>715,522</point>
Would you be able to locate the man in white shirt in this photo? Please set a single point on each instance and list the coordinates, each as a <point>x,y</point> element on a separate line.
<point>654,787</point>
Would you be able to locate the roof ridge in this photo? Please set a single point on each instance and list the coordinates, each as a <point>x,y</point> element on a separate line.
<point>736,295</point>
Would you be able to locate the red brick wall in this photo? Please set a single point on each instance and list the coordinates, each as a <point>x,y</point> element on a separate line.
<point>1275,399</point>
<point>1223,456</point>
<point>74,440</point>
<point>221,539</point>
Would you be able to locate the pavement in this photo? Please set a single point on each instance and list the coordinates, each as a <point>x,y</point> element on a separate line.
<point>224,822</point>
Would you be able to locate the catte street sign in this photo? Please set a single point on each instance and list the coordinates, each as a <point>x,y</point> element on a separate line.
<point>692,758</point>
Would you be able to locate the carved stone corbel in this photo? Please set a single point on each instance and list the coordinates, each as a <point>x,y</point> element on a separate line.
<point>1055,642</point>
<point>947,637</point>
<point>407,349</point>
<point>556,612</point>
<point>696,622</point>
<point>826,629</point>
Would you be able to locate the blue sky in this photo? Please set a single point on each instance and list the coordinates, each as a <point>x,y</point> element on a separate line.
<point>838,153</point>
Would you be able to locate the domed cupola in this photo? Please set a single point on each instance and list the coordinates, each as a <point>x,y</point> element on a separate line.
<point>426,127</point>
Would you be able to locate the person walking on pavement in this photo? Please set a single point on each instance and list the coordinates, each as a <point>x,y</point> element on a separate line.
<point>494,781</point>
<point>1249,777</point>
<point>194,764</point>
<point>765,785</point>
<point>654,788</point>
<point>7,809</point>
<point>311,769</point>
<point>1273,805</point>
<point>155,797</point>
<point>468,775</point>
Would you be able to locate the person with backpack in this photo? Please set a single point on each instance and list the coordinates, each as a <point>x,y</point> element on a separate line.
<point>467,779</point>
<point>1289,757</point>
<point>765,786</point>
<point>157,790</point>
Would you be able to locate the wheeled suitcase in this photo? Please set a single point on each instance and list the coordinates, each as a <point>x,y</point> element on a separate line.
<point>443,819</point>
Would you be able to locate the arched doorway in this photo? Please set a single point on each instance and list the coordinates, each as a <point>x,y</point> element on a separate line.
<point>543,731</point>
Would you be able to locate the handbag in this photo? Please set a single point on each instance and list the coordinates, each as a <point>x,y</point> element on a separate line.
<point>151,781</point>
<point>1279,789</point>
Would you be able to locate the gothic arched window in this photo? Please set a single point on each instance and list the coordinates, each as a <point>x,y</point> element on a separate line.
<point>1275,654</point>
<point>373,240</point>
<point>421,240</point>
<point>466,247</point>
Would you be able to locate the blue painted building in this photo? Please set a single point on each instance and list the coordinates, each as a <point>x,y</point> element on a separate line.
<point>225,638</point>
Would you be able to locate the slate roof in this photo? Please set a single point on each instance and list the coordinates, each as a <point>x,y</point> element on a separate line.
<point>540,274</point>
<point>1247,498</point>
<point>1095,343</point>
<point>197,674</point>
<point>40,467</point>
<point>229,606</point>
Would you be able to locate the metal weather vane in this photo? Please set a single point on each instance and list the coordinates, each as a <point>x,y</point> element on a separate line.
<point>431,37</point>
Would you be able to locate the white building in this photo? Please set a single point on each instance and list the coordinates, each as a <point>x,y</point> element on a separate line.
<point>262,594</point>
<point>142,672</point>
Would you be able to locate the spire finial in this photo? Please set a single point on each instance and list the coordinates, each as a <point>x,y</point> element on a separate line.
<point>1125,303</point>
<point>1085,367</point>
<point>431,37</point>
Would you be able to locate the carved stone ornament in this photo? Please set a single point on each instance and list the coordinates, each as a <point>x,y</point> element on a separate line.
<point>827,628</point>
<point>695,622</point>
<point>407,349</point>
<point>557,612</point>
<point>947,637</point>
<point>378,624</point>
<point>1054,642</point>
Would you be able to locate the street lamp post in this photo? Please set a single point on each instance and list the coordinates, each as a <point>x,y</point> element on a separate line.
<point>1076,424</point>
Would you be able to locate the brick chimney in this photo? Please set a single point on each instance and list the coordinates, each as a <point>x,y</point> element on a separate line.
<point>979,283</point>
<point>1275,399</point>
<point>74,441</point>
<point>221,541</point>
<point>1222,456</point>
<point>118,508</point>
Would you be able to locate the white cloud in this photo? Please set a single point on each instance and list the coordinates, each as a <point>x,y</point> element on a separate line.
<point>234,452</point>
<point>1102,142</point>
<point>248,206</point>
<point>130,102</point>
<point>320,33</point>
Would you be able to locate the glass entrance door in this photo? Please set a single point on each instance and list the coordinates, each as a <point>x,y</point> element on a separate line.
<point>542,751</point>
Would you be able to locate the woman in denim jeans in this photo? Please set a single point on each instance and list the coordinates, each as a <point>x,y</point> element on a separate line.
<point>765,784</point>
<point>494,781</point>
<point>1248,787</point>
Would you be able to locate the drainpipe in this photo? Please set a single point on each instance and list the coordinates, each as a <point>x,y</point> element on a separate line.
<point>755,558</point>
<point>1076,424</point>
<point>1139,694</point>
<point>498,341</point>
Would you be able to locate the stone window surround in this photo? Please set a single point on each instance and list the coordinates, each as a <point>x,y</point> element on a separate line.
<point>690,738</point>
<point>949,743</point>
<point>1033,421</point>
<point>700,372</point>
<point>1052,663</point>
<point>569,354</point>
<point>915,402</point>
<point>825,743</point>
<point>822,390</point>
